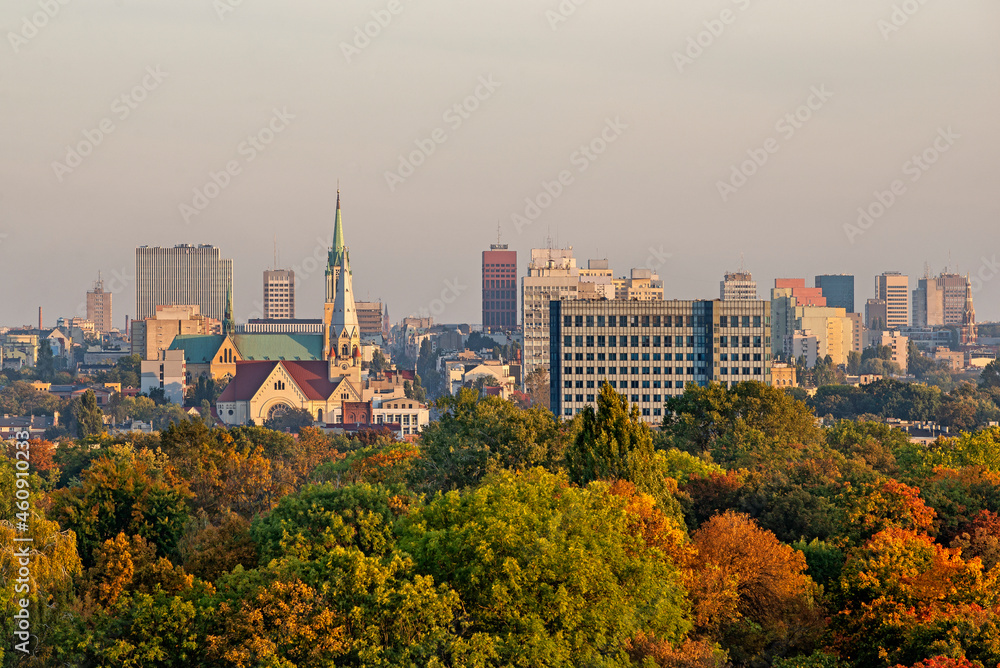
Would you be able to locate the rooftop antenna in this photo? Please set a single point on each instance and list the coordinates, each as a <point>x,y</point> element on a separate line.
<point>742,264</point>
<point>276,251</point>
<point>498,231</point>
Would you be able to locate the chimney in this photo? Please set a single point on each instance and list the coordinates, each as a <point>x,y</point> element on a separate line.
<point>39,317</point>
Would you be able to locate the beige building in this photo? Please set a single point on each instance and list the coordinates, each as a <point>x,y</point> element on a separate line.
<point>184,274</point>
<point>552,275</point>
<point>370,318</point>
<point>833,329</point>
<point>643,285</point>
<point>783,376</point>
<point>279,294</point>
<point>650,350</point>
<point>738,285</point>
<point>939,301</point>
<point>894,289</point>
<point>597,280</point>
<point>168,373</point>
<point>99,307</point>
<point>152,336</point>
<point>897,342</point>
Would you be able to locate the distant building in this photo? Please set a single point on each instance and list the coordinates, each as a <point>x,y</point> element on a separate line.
<point>643,285</point>
<point>153,335</point>
<point>876,314</point>
<point>805,344</point>
<point>783,376</point>
<point>499,289</point>
<point>650,350</point>
<point>184,274</point>
<point>597,280</point>
<point>279,294</point>
<point>552,274</point>
<point>99,307</point>
<point>738,286</point>
<point>803,296</point>
<point>169,373</point>
<point>939,301</point>
<point>283,326</point>
<point>897,342</point>
<point>838,290</point>
<point>370,318</point>
<point>894,289</point>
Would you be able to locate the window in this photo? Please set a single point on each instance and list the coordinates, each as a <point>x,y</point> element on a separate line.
<point>590,397</point>
<point>578,321</point>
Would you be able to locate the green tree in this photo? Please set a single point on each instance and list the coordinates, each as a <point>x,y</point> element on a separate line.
<point>990,377</point>
<point>549,574</point>
<point>86,415</point>
<point>475,437</point>
<point>293,420</point>
<point>537,383</point>
<point>45,367</point>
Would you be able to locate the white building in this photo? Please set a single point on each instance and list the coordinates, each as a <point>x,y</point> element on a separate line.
<point>168,374</point>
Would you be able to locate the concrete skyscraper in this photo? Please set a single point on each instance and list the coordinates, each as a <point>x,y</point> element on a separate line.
<point>738,285</point>
<point>99,307</point>
<point>184,274</point>
<point>894,289</point>
<point>279,294</point>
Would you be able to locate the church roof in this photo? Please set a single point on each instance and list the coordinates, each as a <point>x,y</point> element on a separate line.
<point>311,378</point>
<point>201,348</point>
<point>198,348</point>
<point>249,377</point>
<point>292,347</point>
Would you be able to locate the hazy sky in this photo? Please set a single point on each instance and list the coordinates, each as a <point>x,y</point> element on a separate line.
<point>665,119</point>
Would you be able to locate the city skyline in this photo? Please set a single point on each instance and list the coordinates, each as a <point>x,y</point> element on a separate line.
<point>199,147</point>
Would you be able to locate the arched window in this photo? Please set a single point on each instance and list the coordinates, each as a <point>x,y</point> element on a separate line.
<point>343,350</point>
<point>319,415</point>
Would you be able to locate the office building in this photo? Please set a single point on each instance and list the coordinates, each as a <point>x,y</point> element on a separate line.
<point>894,289</point>
<point>939,301</point>
<point>876,314</point>
<point>279,294</point>
<point>184,274</point>
<point>499,289</point>
<point>597,280</point>
<point>650,350</point>
<point>99,307</point>
<point>370,318</point>
<point>151,336</point>
<point>643,285</point>
<point>552,274</point>
<point>738,285</point>
<point>838,290</point>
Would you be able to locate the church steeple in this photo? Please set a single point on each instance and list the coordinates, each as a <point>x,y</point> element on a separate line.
<point>969,335</point>
<point>336,255</point>
<point>228,325</point>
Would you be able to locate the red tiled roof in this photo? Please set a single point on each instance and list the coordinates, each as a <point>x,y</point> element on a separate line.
<point>313,378</point>
<point>249,377</point>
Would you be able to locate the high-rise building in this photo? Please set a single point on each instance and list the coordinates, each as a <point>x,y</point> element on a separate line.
<point>150,337</point>
<point>499,289</point>
<point>875,314</point>
<point>184,274</point>
<point>643,285</point>
<point>649,350</point>
<point>552,274</point>
<point>98,307</point>
<point>597,280</point>
<point>279,294</point>
<point>738,285</point>
<point>838,290</point>
<point>370,318</point>
<point>893,288</point>
<point>803,296</point>
<point>939,301</point>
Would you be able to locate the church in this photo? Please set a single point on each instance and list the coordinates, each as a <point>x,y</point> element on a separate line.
<point>318,372</point>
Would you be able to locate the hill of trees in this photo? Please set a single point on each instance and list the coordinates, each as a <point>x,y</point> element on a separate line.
<point>742,533</point>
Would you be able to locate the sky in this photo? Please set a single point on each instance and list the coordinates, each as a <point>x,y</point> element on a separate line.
<point>691,136</point>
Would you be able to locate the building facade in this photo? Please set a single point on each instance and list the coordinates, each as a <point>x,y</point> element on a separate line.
<point>552,275</point>
<point>370,318</point>
<point>499,289</point>
<point>642,285</point>
<point>739,286</point>
<point>939,301</point>
<point>894,289</point>
<point>99,307</point>
<point>184,274</point>
<point>279,294</point>
<point>838,290</point>
<point>152,336</point>
<point>651,350</point>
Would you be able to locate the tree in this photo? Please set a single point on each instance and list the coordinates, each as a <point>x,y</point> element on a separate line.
<point>45,367</point>
<point>475,437</point>
<point>990,377</point>
<point>292,420</point>
<point>853,363</point>
<point>548,573</point>
<point>124,491</point>
<point>537,384</point>
<point>378,363</point>
<point>615,444</point>
<point>751,592</point>
<point>86,415</point>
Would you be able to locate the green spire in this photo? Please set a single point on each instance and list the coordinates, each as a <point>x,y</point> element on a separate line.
<point>228,326</point>
<point>337,250</point>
